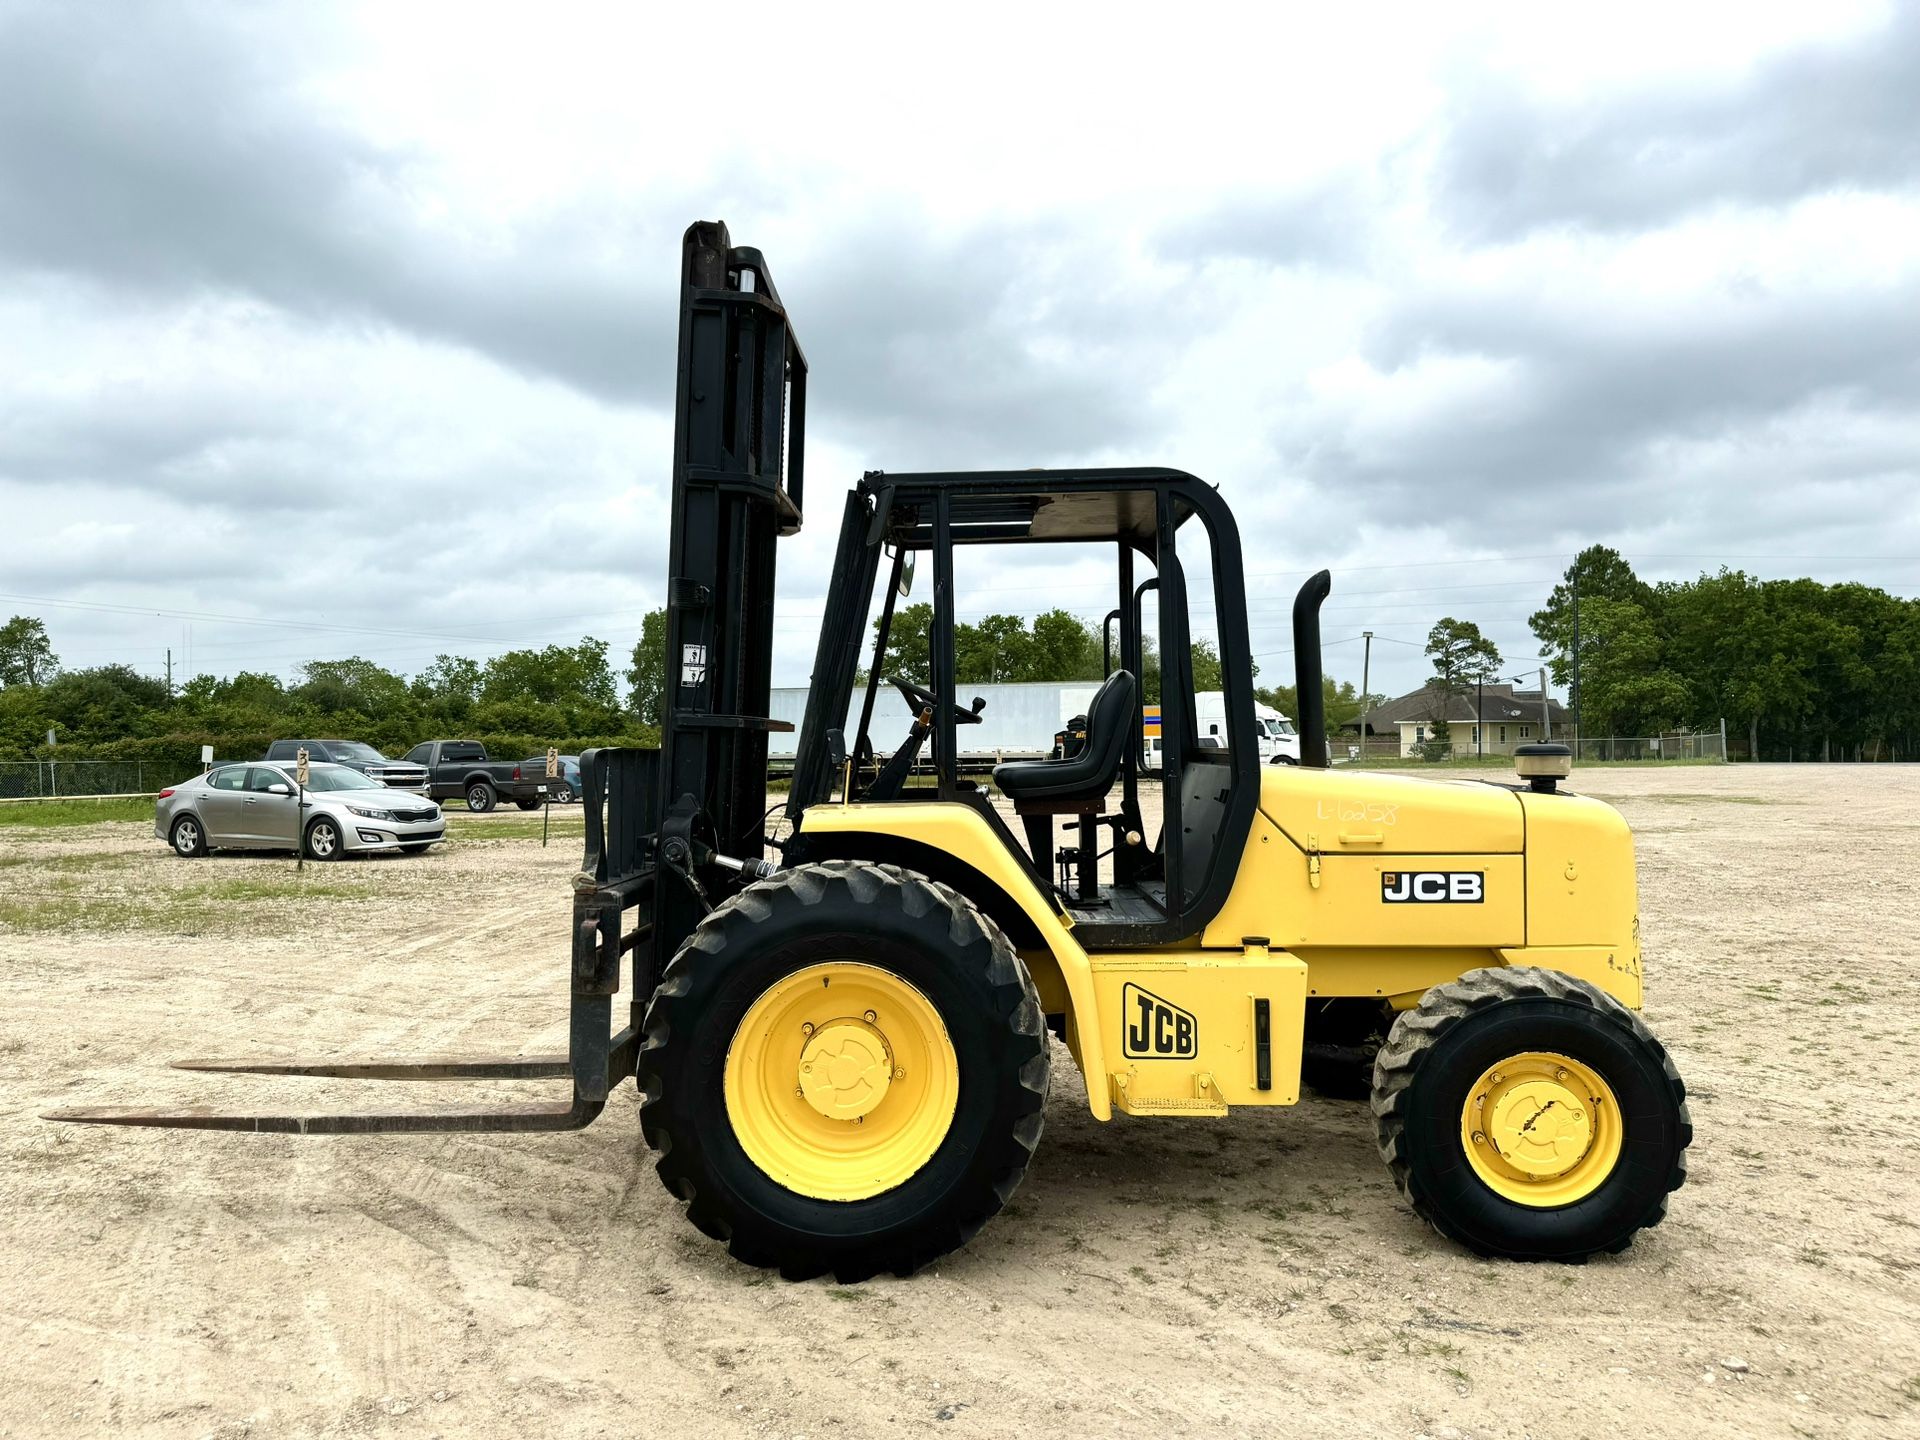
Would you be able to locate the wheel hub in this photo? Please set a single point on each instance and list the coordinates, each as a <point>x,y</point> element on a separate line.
<point>1541,1129</point>
<point>841,1081</point>
<point>845,1069</point>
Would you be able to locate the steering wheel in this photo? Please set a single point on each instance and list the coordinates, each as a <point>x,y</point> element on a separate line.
<point>925,699</point>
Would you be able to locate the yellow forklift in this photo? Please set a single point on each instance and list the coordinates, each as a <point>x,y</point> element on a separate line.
<point>839,1027</point>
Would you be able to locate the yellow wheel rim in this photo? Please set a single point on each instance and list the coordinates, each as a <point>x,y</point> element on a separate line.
<point>1541,1129</point>
<point>841,1081</point>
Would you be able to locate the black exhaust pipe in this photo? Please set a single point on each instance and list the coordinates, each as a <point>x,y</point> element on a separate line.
<point>1306,670</point>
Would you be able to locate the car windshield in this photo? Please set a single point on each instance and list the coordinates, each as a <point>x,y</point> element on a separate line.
<point>1279,729</point>
<point>354,750</point>
<point>338,777</point>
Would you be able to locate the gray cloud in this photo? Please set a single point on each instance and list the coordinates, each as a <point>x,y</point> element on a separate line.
<point>1842,116</point>
<point>164,152</point>
<point>468,411</point>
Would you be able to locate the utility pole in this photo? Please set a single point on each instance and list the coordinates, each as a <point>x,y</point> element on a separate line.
<point>169,674</point>
<point>1546,715</point>
<point>1479,716</point>
<point>1366,695</point>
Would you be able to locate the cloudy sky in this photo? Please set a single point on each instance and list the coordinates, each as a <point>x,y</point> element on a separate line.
<point>335,330</point>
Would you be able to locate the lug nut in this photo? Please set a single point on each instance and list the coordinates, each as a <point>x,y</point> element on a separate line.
<point>869,1017</point>
<point>900,1072</point>
<point>1560,1074</point>
<point>806,1027</point>
<point>1479,1138</point>
<point>859,1119</point>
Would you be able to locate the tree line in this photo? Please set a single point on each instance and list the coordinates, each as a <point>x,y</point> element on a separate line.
<point>517,703</point>
<point>1802,669</point>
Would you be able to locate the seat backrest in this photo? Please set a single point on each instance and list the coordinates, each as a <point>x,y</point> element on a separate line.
<point>1109,722</point>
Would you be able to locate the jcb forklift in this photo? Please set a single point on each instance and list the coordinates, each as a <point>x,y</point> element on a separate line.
<point>839,1026</point>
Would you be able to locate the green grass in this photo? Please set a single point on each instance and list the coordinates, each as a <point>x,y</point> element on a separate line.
<point>218,904</point>
<point>48,814</point>
<point>520,827</point>
<point>86,861</point>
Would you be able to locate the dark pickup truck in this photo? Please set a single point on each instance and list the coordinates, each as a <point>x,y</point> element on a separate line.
<point>355,755</point>
<point>461,767</point>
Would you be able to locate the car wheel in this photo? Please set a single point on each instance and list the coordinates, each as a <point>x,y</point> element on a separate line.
<point>324,840</point>
<point>480,797</point>
<point>189,840</point>
<point>1285,760</point>
<point>528,804</point>
<point>417,849</point>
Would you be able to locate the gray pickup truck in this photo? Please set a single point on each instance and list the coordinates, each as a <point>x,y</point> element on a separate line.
<point>355,755</point>
<point>461,768</point>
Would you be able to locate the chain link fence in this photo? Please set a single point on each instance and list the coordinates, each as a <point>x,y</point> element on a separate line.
<point>1679,745</point>
<point>30,779</point>
<point>1388,750</point>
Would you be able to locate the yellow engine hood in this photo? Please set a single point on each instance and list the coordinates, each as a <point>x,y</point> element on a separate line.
<point>1355,812</point>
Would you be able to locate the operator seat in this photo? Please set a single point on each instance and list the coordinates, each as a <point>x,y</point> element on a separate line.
<point>1077,785</point>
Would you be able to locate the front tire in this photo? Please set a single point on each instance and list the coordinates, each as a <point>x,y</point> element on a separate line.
<point>812,1140</point>
<point>1530,1116</point>
<point>188,839</point>
<point>480,797</point>
<point>324,840</point>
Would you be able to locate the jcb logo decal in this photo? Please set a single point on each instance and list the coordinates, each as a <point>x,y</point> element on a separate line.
<point>1155,1029</point>
<point>1433,887</point>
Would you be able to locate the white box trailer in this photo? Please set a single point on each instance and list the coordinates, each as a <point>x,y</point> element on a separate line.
<point>1019,722</point>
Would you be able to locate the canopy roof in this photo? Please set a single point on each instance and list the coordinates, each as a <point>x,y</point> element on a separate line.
<point>1040,505</point>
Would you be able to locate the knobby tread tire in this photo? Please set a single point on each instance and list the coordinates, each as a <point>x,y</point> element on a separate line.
<point>692,1016</point>
<point>1421,1032</point>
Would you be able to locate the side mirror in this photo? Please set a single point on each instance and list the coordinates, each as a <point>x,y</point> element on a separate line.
<point>279,787</point>
<point>906,574</point>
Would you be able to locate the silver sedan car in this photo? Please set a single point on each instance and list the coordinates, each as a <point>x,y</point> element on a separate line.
<point>257,807</point>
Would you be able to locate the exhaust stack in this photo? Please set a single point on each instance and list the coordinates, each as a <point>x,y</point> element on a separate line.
<point>1306,670</point>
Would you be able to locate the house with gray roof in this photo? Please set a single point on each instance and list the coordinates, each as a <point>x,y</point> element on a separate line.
<point>1488,720</point>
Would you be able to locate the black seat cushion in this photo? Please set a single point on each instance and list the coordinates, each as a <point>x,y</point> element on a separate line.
<point>1088,773</point>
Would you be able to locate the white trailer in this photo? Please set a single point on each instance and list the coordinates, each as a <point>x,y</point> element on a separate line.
<point>1019,721</point>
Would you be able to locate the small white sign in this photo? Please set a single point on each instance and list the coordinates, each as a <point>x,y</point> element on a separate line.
<point>693,664</point>
<point>300,771</point>
<point>553,762</point>
<point>206,754</point>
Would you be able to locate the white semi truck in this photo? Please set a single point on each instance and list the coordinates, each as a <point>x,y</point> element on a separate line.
<point>1020,721</point>
<point>1279,741</point>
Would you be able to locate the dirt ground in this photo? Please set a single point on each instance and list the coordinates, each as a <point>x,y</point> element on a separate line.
<point>1250,1276</point>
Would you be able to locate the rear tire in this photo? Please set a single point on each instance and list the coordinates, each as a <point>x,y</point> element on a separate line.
<point>1439,1053</point>
<point>480,797</point>
<point>188,839</point>
<point>528,804</point>
<point>910,933</point>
